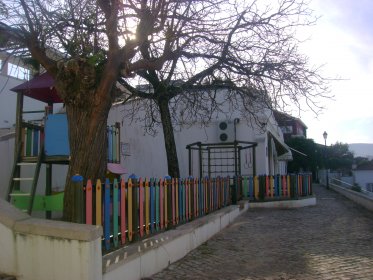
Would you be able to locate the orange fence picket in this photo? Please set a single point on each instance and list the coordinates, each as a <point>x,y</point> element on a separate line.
<point>136,208</point>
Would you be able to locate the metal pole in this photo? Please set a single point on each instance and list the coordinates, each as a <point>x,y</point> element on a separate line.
<point>189,160</point>
<point>200,160</point>
<point>209,161</point>
<point>239,160</point>
<point>326,167</point>
<point>235,159</point>
<point>48,189</point>
<point>254,162</point>
<point>18,139</point>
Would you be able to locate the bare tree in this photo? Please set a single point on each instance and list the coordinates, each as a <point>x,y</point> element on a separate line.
<point>98,41</point>
<point>185,49</point>
<point>247,50</point>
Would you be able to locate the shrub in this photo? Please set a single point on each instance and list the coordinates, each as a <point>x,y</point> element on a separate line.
<point>356,188</point>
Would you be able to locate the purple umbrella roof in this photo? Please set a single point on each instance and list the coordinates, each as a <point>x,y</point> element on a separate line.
<point>40,88</point>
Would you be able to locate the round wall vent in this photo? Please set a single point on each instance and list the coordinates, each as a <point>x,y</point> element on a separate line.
<point>223,137</point>
<point>223,125</point>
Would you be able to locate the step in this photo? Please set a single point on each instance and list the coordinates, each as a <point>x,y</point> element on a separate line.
<point>23,179</point>
<point>26,163</point>
<point>20,194</point>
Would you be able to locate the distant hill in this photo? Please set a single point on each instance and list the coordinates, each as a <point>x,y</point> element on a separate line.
<point>361,149</point>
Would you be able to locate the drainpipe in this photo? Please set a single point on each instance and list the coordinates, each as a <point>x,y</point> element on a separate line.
<point>235,122</point>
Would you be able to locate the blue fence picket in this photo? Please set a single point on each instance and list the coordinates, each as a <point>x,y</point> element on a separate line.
<point>201,197</point>
<point>190,198</point>
<point>183,200</point>
<point>115,213</point>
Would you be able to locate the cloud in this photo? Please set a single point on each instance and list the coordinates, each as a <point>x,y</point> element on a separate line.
<point>342,41</point>
<point>354,19</point>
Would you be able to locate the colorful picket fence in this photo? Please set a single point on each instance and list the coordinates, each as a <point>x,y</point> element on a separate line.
<point>136,208</point>
<point>260,188</point>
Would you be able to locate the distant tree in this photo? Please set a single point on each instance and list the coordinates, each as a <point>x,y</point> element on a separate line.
<point>363,163</point>
<point>312,158</point>
<point>360,160</point>
<point>336,157</point>
<point>339,157</point>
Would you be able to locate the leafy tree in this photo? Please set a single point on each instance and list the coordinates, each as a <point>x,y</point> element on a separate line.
<point>358,161</point>
<point>336,157</point>
<point>185,49</point>
<point>340,158</point>
<point>308,156</point>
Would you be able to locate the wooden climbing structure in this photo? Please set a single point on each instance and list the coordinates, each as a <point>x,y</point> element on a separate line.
<point>45,143</point>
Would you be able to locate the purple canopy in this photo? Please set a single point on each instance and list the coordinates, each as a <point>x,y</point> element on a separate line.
<point>40,88</point>
<point>116,168</point>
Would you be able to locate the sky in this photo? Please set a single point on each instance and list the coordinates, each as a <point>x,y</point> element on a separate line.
<point>342,41</point>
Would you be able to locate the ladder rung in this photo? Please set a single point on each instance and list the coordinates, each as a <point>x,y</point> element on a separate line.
<point>20,194</point>
<point>26,163</point>
<point>23,179</point>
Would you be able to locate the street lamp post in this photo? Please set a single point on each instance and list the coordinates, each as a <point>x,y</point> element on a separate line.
<point>325,135</point>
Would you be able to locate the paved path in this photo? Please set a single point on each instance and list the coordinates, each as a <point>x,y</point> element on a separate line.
<point>333,240</point>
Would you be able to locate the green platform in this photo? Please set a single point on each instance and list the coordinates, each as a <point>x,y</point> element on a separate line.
<point>41,202</point>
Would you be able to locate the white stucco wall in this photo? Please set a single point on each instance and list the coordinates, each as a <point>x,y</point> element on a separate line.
<point>363,177</point>
<point>146,155</point>
<point>6,163</point>
<point>36,249</point>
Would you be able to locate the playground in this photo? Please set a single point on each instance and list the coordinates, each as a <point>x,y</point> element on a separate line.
<point>127,207</point>
<point>121,210</point>
<point>46,143</point>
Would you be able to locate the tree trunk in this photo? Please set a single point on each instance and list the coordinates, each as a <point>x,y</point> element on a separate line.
<point>88,148</point>
<point>169,139</point>
<point>87,106</point>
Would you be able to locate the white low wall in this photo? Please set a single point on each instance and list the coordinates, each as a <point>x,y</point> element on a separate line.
<point>357,197</point>
<point>41,249</point>
<point>152,255</point>
<point>285,204</point>
<point>36,249</point>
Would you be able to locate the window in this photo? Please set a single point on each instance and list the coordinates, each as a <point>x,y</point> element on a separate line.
<point>18,72</point>
<point>287,129</point>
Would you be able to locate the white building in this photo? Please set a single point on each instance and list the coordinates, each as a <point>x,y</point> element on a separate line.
<point>363,176</point>
<point>145,155</point>
<point>12,73</point>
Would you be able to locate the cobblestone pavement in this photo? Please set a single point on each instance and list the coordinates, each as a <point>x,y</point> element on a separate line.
<point>5,277</point>
<point>333,240</point>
